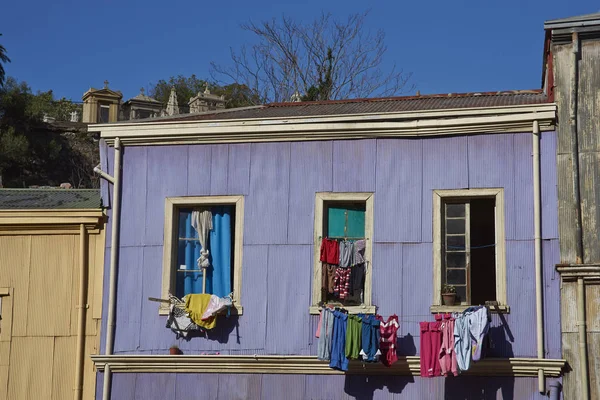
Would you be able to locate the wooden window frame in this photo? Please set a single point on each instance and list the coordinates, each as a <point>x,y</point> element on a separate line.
<point>320,199</point>
<point>439,199</point>
<point>172,205</point>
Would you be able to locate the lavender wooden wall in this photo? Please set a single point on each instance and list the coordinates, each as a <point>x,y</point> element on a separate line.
<point>279,181</point>
<point>183,386</point>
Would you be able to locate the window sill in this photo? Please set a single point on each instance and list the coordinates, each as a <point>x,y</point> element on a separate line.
<point>364,309</point>
<point>500,309</point>
<point>236,309</point>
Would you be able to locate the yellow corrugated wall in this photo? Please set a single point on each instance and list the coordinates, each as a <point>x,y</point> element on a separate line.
<point>42,272</point>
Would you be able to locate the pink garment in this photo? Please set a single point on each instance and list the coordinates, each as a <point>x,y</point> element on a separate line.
<point>318,333</point>
<point>431,342</point>
<point>387,340</point>
<point>447,354</point>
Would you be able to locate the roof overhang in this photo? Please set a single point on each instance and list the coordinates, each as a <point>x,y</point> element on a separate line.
<point>50,221</point>
<point>357,126</point>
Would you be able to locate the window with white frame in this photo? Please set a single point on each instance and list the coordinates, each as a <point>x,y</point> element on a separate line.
<point>469,246</point>
<point>203,247</point>
<point>343,233</point>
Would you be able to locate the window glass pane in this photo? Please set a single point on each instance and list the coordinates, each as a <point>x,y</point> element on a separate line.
<point>356,223</point>
<point>455,210</point>
<point>456,276</point>
<point>456,260</point>
<point>455,242</point>
<point>336,222</point>
<point>461,294</point>
<point>455,226</point>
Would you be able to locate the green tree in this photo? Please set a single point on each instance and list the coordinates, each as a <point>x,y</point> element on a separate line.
<point>236,95</point>
<point>3,59</point>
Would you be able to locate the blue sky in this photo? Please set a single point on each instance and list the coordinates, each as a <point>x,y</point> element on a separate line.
<point>449,46</point>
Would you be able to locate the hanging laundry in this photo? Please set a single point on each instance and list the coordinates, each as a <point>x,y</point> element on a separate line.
<point>346,252</point>
<point>328,278</point>
<point>357,283</point>
<point>479,325</point>
<point>353,337</point>
<point>430,344</point>
<point>330,251</point>
<point>179,320</point>
<point>195,305</point>
<point>341,283</point>
<point>359,252</point>
<point>215,305</point>
<point>325,334</point>
<point>338,345</point>
<point>462,343</point>
<point>447,354</point>
<point>388,336</point>
<point>202,223</point>
<point>370,339</point>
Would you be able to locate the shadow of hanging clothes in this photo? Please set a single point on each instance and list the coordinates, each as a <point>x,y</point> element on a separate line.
<point>406,345</point>
<point>220,333</point>
<point>363,387</point>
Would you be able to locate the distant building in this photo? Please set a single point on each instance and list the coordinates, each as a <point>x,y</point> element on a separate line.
<point>141,106</point>
<point>205,101</point>
<point>101,105</point>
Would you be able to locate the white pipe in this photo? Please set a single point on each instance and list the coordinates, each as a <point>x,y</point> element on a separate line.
<point>537,236</point>
<point>104,174</point>
<point>106,383</point>
<point>581,328</point>
<point>114,254</point>
<point>82,305</point>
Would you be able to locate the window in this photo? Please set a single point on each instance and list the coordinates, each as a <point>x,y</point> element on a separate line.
<point>185,217</point>
<point>346,218</point>
<point>468,243</point>
<point>103,113</point>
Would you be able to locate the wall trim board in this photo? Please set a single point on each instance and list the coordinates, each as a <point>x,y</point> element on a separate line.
<point>489,120</point>
<point>571,272</point>
<point>49,221</point>
<point>405,366</point>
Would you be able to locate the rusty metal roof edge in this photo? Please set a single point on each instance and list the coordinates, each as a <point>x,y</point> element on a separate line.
<point>574,22</point>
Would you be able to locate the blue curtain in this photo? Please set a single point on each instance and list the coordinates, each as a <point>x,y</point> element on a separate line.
<point>188,253</point>
<point>218,278</point>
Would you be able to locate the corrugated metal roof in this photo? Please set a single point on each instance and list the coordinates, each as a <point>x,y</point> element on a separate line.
<point>574,22</point>
<point>372,106</point>
<point>49,199</point>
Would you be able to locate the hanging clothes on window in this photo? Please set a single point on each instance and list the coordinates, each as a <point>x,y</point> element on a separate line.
<point>202,223</point>
<point>215,305</point>
<point>346,253</point>
<point>179,320</point>
<point>370,339</point>
<point>359,252</point>
<point>325,335</point>
<point>430,344</point>
<point>479,325</point>
<point>330,251</point>
<point>447,354</point>
<point>328,278</point>
<point>338,345</point>
<point>388,336</point>
<point>195,306</point>
<point>342,282</point>
<point>353,337</point>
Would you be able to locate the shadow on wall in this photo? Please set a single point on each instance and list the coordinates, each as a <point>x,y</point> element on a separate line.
<point>364,387</point>
<point>221,333</point>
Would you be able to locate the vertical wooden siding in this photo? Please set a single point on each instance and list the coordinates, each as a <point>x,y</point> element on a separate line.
<point>186,386</point>
<point>280,180</point>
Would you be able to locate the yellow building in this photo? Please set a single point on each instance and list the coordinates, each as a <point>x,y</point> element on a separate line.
<point>51,247</point>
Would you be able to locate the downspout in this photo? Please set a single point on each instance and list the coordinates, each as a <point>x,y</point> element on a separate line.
<point>82,306</point>
<point>537,222</point>
<point>114,254</point>
<point>581,314</point>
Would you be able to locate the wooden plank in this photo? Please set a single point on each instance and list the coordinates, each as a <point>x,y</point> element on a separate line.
<point>267,203</point>
<point>15,254</point>
<point>589,169</point>
<point>133,201</point>
<point>238,171</point>
<point>588,106</point>
<point>98,273</point>
<point>166,166</point>
<point>31,368</point>
<point>566,210</point>
<point>354,165</point>
<point>198,170</point>
<point>592,304</point>
<point>562,94</point>
<point>129,300</point>
<point>311,169</point>
<point>4,369</point>
<point>594,363</point>
<point>288,277</point>
<point>218,169</point>
<point>445,164</point>
<point>399,182</point>
<point>63,369</point>
<point>48,305</point>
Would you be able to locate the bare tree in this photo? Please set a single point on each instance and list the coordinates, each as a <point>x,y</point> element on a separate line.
<point>326,59</point>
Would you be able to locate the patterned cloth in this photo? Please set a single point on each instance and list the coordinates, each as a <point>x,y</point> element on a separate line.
<point>387,344</point>
<point>342,283</point>
<point>179,320</point>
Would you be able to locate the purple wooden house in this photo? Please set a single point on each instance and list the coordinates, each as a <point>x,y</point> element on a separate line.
<point>453,190</point>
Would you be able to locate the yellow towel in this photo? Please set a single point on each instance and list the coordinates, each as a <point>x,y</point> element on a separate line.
<point>195,305</point>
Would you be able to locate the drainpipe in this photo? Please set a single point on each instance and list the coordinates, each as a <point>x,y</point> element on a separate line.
<point>537,222</point>
<point>83,270</point>
<point>114,254</point>
<point>581,314</point>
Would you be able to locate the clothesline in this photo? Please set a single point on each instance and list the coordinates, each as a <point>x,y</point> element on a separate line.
<point>471,247</point>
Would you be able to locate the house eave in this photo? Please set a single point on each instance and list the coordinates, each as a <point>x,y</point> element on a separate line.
<point>356,126</point>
